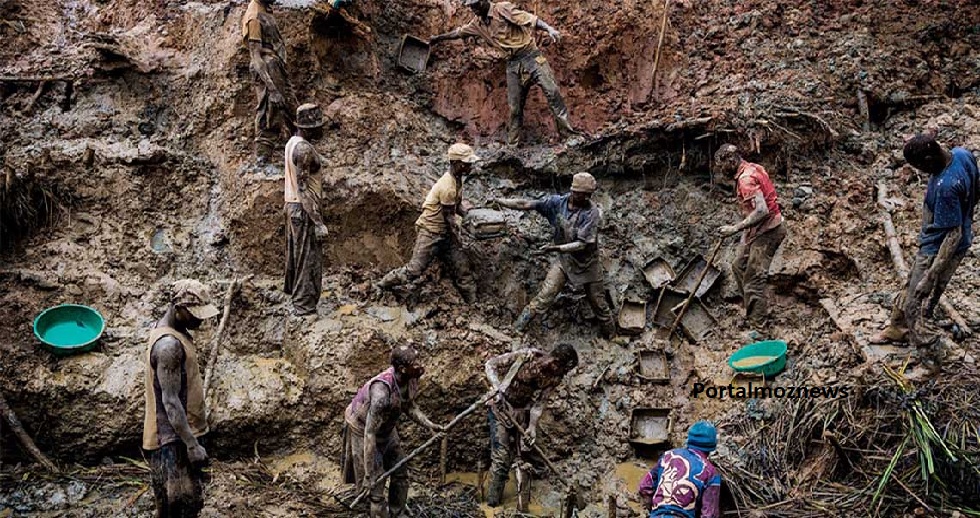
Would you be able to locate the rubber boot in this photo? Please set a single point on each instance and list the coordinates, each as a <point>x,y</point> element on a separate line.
<point>520,325</point>
<point>608,329</point>
<point>495,493</point>
<point>392,279</point>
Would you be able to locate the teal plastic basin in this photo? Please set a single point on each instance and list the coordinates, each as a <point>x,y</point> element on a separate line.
<point>774,348</point>
<point>69,328</point>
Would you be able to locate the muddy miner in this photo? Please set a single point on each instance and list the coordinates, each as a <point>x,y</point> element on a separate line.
<point>232,234</point>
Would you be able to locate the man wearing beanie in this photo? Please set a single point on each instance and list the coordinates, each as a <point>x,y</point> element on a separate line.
<point>576,221</point>
<point>684,483</point>
<point>437,229</point>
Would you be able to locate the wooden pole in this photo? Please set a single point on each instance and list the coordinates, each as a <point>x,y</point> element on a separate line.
<point>216,341</point>
<point>25,440</point>
<point>697,286</point>
<point>898,259</point>
<point>660,44</point>
<point>443,452</point>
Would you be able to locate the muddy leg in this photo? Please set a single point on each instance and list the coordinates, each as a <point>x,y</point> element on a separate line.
<point>398,483</point>
<point>550,288</point>
<point>265,137</point>
<point>901,322</point>
<point>177,485</point>
<point>502,443</point>
<point>422,254</point>
<point>760,253</point>
<point>738,269</point>
<point>517,90</point>
<point>462,272</point>
<point>596,294</point>
<point>545,78</point>
<point>941,283</point>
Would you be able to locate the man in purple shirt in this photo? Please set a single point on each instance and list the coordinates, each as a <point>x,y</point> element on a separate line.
<point>684,483</point>
<point>945,237</point>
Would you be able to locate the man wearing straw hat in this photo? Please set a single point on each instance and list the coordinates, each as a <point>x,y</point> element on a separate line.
<point>576,221</point>
<point>684,483</point>
<point>437,229</point>
<point>174,417</point>
<point>305,230</point>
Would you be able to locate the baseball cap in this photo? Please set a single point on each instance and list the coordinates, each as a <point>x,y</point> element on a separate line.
<point>462,153</point>
<point>195,298</point>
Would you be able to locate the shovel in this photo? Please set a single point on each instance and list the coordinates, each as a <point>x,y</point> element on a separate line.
<point>570,501</point>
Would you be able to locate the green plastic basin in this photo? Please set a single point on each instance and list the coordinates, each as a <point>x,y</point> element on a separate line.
<point>774,348</point>
<point>69,328</point>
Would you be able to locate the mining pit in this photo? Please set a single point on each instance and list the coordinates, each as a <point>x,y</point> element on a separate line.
<point>126,146</point>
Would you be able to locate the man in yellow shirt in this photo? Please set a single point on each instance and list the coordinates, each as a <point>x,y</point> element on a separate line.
<point>438,230</point>
<point>511,30</point>
<point>267,55</point>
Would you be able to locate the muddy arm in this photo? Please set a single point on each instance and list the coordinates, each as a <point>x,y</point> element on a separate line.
<point>759,212</point>
<point>307,164</point>
<point>530,433</point>
<point>417,415</point>
<point>494,364</point>
<point>168,354</point>
<point>941,263</point>
<point>568,248</point>
<point>449,214</point>
<point>260,68</point>
<point>454,34</point>
<point>515,203</point>
<point>379,406</point>
<point>552,32</point>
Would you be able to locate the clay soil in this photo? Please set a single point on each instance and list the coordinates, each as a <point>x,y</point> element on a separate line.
<point>125,143</point>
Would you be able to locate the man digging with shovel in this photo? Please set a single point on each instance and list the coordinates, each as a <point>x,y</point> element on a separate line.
<point>514,413</point>
<point>371,443</point>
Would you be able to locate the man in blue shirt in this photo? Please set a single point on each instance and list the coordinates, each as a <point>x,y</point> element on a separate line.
<point>576,220</point>
<point>945,237</point>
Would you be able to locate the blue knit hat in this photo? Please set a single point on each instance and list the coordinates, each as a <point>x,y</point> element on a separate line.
<point>702,436</point>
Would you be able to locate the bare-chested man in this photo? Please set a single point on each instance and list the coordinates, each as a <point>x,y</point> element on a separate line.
<point>522,401</point>
<point>174,418</point>
<point>267,60</point>
<point>305,230</point>
<point>371,441</point>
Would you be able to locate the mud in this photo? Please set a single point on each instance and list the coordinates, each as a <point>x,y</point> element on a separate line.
<point>134,159</point>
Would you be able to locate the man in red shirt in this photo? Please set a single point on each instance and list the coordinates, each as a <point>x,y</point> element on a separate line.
<point>762,230</point>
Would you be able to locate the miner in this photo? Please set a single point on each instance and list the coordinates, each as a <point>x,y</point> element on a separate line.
<point>175,417</point>
<point>944,238</point>
<point>305,230</point>
<point>576,220</point>
<point>371,443</point>
<point>684,483</point>
<point>511,30</point>
<point>267,55</point>
<point>518,406</point>
<point>438,230</point>
<point>762,230</point>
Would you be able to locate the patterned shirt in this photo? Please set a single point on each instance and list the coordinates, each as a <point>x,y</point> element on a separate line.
<point>684,483</point>
<point>751,179</point>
